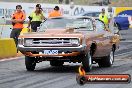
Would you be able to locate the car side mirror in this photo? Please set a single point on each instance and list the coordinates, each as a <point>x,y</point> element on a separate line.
<point>106,28</point>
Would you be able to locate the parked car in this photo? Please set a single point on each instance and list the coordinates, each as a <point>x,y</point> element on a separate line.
<point>122,23</point>
<point>122,20</point>
<point>69,39</point>
<point>91,14</point>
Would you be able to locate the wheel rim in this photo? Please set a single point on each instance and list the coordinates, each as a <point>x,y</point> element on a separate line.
<point>111,58</point>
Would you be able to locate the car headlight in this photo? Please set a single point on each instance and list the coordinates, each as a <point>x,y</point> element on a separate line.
<point>74,41</point>
<point>21,41</point>
<point>28,42</point>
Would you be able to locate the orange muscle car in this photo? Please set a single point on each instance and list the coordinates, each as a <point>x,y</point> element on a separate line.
<point>70,39</point>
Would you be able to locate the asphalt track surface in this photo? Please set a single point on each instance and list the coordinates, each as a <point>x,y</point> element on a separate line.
<point>14,75</point>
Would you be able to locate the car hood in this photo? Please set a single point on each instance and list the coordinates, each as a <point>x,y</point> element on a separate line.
<point>68,33</point>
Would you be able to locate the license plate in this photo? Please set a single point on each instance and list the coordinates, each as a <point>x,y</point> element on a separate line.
<point>51,52</point>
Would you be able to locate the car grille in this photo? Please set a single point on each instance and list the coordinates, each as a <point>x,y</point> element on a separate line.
<point>51,42</point>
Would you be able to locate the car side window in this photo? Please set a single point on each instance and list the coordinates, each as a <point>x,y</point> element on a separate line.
<point>99,26</point>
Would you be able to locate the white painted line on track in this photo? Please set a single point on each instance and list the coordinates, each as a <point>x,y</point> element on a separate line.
<point>9,59</point>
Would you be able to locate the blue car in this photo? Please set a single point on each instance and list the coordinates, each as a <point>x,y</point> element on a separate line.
<point>122,20</point>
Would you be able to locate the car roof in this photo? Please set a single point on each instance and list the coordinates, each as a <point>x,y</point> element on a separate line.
<point>87,12</point>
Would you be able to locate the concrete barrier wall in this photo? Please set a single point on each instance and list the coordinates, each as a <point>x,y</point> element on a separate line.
<point>7,48</point>
<point>6,8</point>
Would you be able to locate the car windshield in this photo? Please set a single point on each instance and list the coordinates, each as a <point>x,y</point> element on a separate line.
<point>92,14</point>
<point>67,23</point>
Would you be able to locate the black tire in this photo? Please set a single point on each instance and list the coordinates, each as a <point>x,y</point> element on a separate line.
<point>56,63</point>
<point>30,63</point>
<point>107,61</point>
<point>119,27</point>
<point>87,62</point>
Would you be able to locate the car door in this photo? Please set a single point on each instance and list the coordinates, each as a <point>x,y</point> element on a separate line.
<point>102,39</point>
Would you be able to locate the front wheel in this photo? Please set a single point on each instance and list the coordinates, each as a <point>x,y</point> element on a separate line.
<point>30,63</point>
<point>87,62</point>
<point>107,61</point>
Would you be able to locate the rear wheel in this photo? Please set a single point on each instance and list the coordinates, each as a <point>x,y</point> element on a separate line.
<point>107,61</point>
<point>87,62</point>
<point>30,63</point>
<point>56,63</point>
<point>119,27</point>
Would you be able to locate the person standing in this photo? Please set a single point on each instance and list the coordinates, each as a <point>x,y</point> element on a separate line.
<point>110,13</point>
<point>55,12</point>
<point>36,18</point>
<point>18,18</point>
<point>104,17</point>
